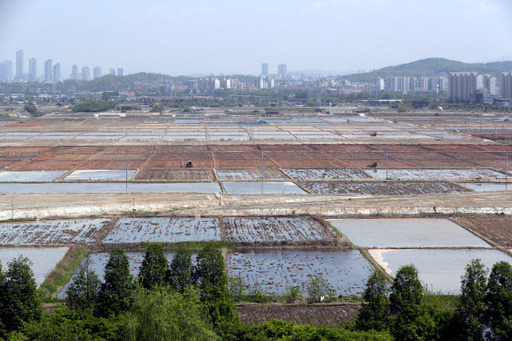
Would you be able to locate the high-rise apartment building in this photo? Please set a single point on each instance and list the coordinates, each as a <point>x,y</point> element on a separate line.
<point>264,69</point>
<point>8,70</point>
<point>74,72</point>
<point>48,69</point>
<point>56,73</point>
<point>86,73</point>
<point>32,69</point>
<point>112,71</point>
<point>120,71</point>
<point>96,72</point>
<point>19,64</point>
<point>506,85</point>
<point>463,85</point>
<point>490,84</point>
<point>282,71</point>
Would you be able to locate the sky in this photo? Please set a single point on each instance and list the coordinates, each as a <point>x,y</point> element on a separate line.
<point>236,36</point>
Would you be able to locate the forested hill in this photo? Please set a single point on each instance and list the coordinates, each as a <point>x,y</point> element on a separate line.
<point>431,67</point>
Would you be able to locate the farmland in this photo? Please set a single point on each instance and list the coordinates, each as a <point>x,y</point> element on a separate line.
<point>496,229</point>
<point>380,188</point>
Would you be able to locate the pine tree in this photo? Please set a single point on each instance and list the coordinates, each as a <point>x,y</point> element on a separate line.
<point>180,271</point>
<point>82,293</point>
<point>154,267</point>
<point>116,292</point>
<point>375,308</point>
<point>499,302</point>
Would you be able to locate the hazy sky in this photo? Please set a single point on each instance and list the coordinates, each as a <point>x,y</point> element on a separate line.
<point>228,36</point>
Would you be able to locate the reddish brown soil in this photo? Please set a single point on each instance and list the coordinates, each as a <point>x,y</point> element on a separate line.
<point>496,229</point>
<point>226,157</point>
<point>318,314</point>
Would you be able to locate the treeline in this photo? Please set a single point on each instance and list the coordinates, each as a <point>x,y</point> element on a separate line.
<point>180,300</point>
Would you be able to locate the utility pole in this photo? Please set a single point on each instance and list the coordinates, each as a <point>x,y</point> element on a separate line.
<point>506,169</point>
<point>262,171</point>
<point>386,164</point>
<point>126,172</point>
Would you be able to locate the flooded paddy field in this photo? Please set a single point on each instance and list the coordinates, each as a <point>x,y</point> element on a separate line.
<point>43,260</point>
<point>289,230</point>
<point>380,188</point>
<point>69,187</point>
<point>440,269</point>
<point>51,232</point>
<point>410,233</point>
<point>250,174</point>
<point>30,176</point>
<point>436,174</point>
<point>177,174</point>
<point>325,173</point>
<point>165,230</point>
<point>262,188</point>
<point>487,186</point>
<point>98,175</point>
<point>276,270</point>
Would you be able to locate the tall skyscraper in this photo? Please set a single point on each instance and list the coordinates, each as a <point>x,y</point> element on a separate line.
<point>3,75</point>
<point>120,71</point>
<point>506,85</point>
<point>19,64</point>
<point>112,71</point>
<point>97,72</point>
<point>490,84</point>
<point>32,69</point>
<point>264,69</point>
<point>48,71</point>
<point>86,73</point>
<point>56,73</point>
<point>74,72</point>
<point>282,71</point>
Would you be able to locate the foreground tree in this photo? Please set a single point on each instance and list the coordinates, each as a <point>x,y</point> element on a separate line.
<point>499,302</point>
<point>19,302</point>
<point>411,320</point>
<point>115,294</point>
<point>211,278</point>
<point>82,293</point>
<point>471,310</point>
<point>375,308</point>
<point>181,270</point>
<point>168,315</point>
<point>154,267</point>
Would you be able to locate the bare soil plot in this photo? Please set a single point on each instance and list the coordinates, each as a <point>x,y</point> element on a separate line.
<point>299,159</point>
<point>496,229</point>
<point>51,232</point>
<point>325,173</point>
<point>276,270</point>
<point>380,187</point>
<point>43,260</point>
<point>251,174</point>
<point>229,160</point>
<point>314,314</point>
<point>167,230</point>
<point>284,230</point>
<point>177,174</point>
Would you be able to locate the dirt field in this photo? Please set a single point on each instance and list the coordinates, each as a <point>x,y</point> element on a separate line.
<point>320,315</point>
<point>178,174</point>
<point>497,229</point>
<point>244,156</point>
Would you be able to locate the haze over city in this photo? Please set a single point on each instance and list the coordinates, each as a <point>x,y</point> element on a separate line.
<point>198,37</point>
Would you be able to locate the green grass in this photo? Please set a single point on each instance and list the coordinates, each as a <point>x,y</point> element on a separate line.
<point>17,220</point>
<point>440,301</point>
<point>62,273</point>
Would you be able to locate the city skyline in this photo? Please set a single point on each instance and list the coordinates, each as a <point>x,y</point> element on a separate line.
<point>227,38</point>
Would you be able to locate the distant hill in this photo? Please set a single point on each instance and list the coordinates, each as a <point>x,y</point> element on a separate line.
<point>431,67</point>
